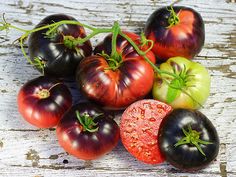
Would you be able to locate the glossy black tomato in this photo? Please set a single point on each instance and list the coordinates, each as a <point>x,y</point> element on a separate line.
<point>87,132</point>
<point>59,58</point>
<point>188,139</point>
<point>43,100</point>
<point>176,31</point>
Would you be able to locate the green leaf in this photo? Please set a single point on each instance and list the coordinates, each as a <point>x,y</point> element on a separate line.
<point>173,90</point>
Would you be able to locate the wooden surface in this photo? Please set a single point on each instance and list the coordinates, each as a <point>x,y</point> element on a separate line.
<point>27,151</point>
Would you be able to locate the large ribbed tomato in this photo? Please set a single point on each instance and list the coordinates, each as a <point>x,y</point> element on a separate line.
<point>116,88</point>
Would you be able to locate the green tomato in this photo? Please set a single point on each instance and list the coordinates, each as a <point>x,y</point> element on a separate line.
<point>190,89</point>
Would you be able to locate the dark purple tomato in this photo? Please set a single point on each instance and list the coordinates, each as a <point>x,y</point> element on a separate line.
<point>182,36</point>
<point>116,86</point>
<point>43,100</point>
<point>188,140</point>
<point>59,58</point>
<point>87,132</point>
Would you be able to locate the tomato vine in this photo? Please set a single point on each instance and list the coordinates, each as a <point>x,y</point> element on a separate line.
<point>114,59</point>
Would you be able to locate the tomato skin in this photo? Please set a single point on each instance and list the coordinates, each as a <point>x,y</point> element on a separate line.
<point>187,157</point>
<point>139,128</point>
<point>184,39</point>
<point>43,112</point>
<point>59,60</point>
<point>83,144</point>
<point>197,85</point>
<point>119,88</point>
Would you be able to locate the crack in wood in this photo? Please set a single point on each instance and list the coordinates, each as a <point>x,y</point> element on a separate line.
<point>231,1</point>
<point>223,171</point>
<point>1,144</point>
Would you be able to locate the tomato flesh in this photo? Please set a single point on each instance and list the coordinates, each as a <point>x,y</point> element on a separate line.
<point>139,129</point>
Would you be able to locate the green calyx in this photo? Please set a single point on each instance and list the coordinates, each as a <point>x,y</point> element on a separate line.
<point>177,84</point>
<point>69,42</point>
<point>114,63</point>
<point>192,137</point>
<point>87,122</point>
<point>173,18</point>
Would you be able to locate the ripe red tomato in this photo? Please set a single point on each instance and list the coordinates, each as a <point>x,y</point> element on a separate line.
<point>181,38</point>
<point>139,128</point>
<point>119,87</point>
<point>43,100</point>
<point>86,135</point>
<point>60,59</point>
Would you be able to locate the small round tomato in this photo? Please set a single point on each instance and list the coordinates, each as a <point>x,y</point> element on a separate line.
<point>87,132</point>
<point>139,128</point>
<point>188,139</point>
<point>115,83</point>
<point>43,100</point>
<point>176,31</point>
<point>190,90</point>
<point>59,58</point>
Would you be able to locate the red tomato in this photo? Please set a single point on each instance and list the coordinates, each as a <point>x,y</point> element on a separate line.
<point>139,129</point>
<point>181,38</point>
<point>116,88</point>
<point>43,100</point>
<point>87,136</point>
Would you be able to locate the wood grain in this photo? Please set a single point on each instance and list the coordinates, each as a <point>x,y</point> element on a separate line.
<point>27,151</point>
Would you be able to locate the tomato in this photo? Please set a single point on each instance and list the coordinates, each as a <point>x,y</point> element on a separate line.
<point>188,139</point>
<point>116,88</point>
<point>139,128</point>
<point>43,100</point>
<point>59,58</point>
<point>87,132</point>
<point>192,88</point>
<point>176,32</point>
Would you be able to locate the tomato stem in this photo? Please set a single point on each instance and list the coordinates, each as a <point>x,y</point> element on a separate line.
<point>115,30</point>
<point>140,52</point>
<point>192,137</point>
<point>54,85</point>
<point>71,42</point>
<point>146,42</point>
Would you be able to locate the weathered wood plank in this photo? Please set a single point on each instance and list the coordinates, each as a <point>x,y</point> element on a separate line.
<point>40,149</point>
<point>27,150</point>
